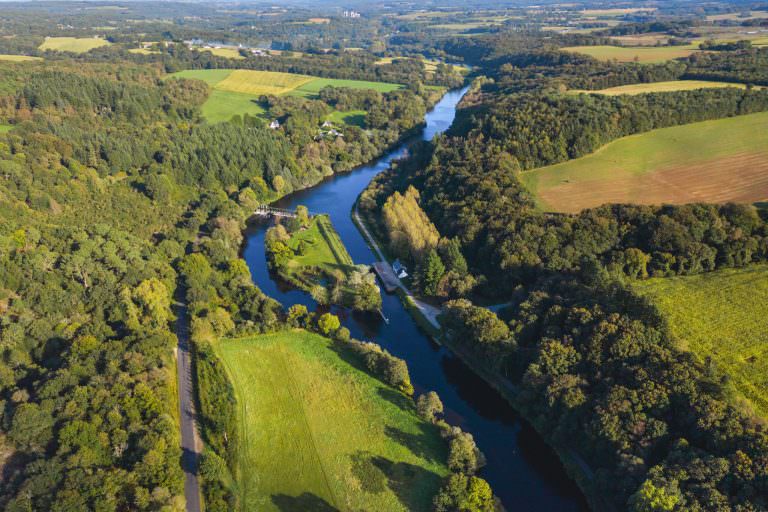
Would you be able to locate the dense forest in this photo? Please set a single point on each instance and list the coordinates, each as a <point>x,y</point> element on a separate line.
<point>116,201</point>
<point>592,365</point>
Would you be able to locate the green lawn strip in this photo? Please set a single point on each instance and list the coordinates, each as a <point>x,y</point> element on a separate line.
<point>721,315</point>
<point>642,153</point>
<point>317,430</point>
<point>223,105</point>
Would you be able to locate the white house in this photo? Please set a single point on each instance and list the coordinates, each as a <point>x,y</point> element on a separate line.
<point>399,269</point>
<point>275,124</point>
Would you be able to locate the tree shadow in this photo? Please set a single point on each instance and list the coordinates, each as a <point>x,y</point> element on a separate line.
<point>304,502</point>
<point>420,444</point>
<point>395,398</point>
<point>408,481</point>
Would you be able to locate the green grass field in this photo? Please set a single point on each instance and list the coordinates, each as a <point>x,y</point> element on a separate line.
<point>721,315</point>
<point>73,44</point>
<point>648,55</point>
<point>674,85</point>
<point>237,91</point>
<point>5,128</point>
<point>19,58</point>
<point>712,161</point>
<point>349,117</point>
<point>313,87</point>
<point>324,248</point>
<point>222,105</point>
<point>317,432</point>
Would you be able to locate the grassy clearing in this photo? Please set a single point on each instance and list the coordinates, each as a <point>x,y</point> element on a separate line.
<point>721,315</point>
<point>712,161</point>
<point>73,44</point>
<point>673,85</point>
<point>5,128</point>
<point>19,58</point>
<point>648,55</point>
<point>222,105</point>
<point>317,432</point>
<point>349,117</point>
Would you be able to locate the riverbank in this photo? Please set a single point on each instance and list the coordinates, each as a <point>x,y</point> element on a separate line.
<point>521,468</point>
<point>309,254</point>
<point>427,317</point>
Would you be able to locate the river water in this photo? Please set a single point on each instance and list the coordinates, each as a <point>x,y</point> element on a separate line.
<point>522,470</point>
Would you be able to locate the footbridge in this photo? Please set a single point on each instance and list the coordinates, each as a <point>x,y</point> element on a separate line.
<point>264,210</point>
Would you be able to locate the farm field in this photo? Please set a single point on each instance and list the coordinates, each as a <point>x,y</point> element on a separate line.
<point>616,12</point>
<point>738,16</point>
<point>73,44</point>
<point>143,51</point>
<point>712,161</point>
<point>19,58</point>
<point>229,53</point>
<point>647,55</point>
<point>238,91</point>
<point>674,85</point>
<point>721,315</point>
<point>318,433</point>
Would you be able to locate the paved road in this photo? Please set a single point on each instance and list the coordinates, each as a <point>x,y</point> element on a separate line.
<point>190,439</point>
<point>429,311</point>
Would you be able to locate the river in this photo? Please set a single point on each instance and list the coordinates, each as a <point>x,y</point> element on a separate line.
<point>523,471</point>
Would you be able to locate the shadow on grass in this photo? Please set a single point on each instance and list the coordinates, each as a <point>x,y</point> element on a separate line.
<point>396,398</point>
<point>355,119</point>
<point>304,502</point>
<point>413,485</point>
<point>420,444</point>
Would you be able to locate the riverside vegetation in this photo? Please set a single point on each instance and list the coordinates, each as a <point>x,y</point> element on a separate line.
<point>308,253</point>
<point>600,371</point>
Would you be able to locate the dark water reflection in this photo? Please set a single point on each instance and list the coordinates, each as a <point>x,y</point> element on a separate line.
<point>522,470</point>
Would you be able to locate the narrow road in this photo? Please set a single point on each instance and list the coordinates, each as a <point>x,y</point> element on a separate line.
<point>429,311</point>
<point>190,439</point>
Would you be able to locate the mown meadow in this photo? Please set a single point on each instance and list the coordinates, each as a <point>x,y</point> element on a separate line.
<point>317,431</point>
